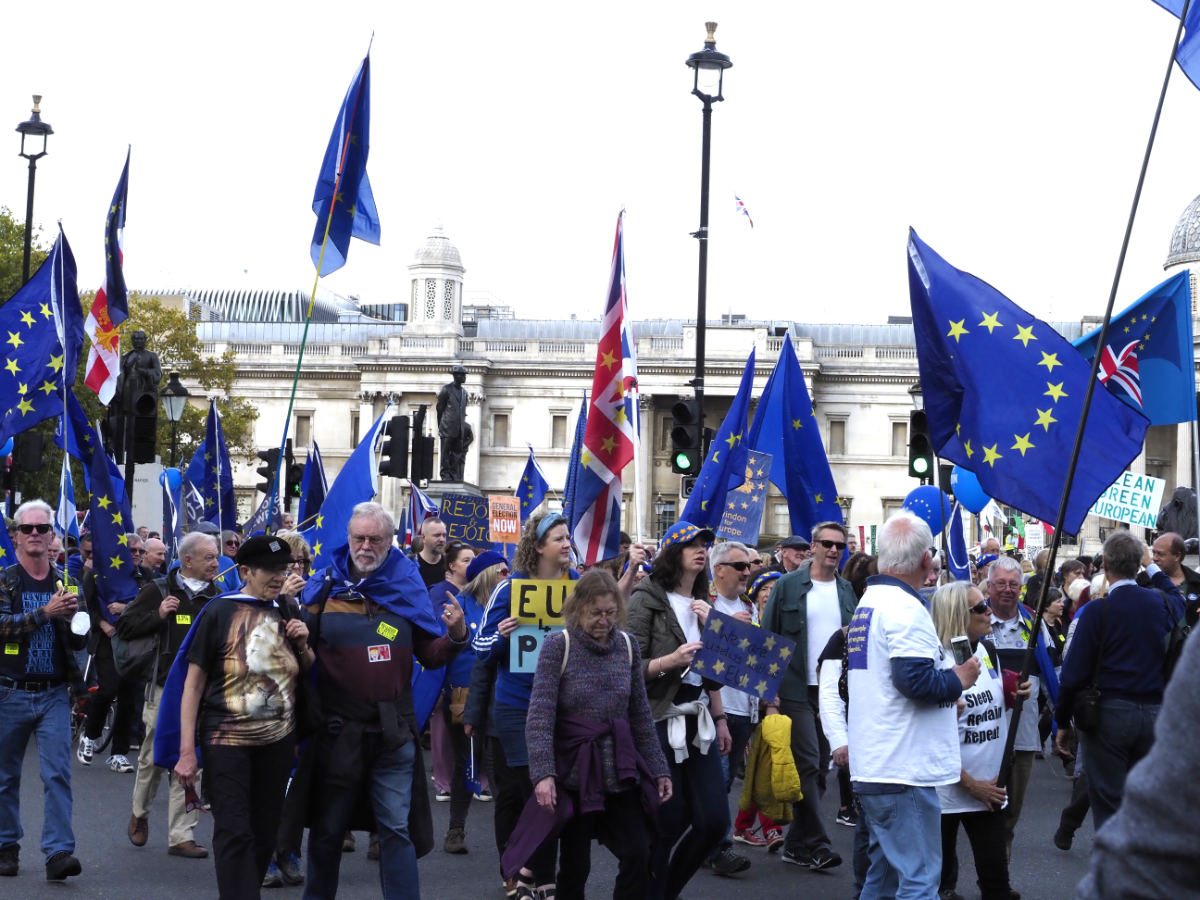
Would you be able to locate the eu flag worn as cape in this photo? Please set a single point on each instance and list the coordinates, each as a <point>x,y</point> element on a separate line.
<point>533,487</point>
<point>785,426</point>
<point>1016,433</point>
<point>1148,361</point>
<point>41,331</point>
<point>343,180</point>
<point>726,463</point>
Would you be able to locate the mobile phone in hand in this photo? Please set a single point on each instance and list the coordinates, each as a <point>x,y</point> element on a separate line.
<point>961,646</point>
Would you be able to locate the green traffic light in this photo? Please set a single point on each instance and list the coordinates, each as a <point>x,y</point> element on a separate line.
<point>920,465</point>
<point>683,461</point>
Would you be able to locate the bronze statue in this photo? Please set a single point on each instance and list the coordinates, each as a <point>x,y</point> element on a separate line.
<point>453,428</point>
<point>136,393</point>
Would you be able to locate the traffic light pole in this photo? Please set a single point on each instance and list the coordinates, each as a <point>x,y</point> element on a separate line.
<point>702,280</point>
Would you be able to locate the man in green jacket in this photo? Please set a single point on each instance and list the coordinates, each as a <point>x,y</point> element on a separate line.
<point>808,606</point>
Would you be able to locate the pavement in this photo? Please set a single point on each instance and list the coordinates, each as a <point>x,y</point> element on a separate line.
<point>113,868</point>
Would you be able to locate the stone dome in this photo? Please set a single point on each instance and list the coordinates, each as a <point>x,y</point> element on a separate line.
<point>437,252</point>
<point>1185,239</point>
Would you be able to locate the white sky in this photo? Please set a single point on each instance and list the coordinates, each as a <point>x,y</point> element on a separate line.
<point>1009,135</point>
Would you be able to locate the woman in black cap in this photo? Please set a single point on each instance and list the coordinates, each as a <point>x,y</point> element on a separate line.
<point>239,699</point>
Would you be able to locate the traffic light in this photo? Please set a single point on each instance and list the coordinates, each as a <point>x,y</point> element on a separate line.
<point>268,469</point>
<point>687,452</point>
<point>920,448</point>
<point>145,427</point>
<point>28,449</point>
<point>393,461</point>
<point>422,459</point>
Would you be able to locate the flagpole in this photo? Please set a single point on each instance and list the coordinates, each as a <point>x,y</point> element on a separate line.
<point>637,466</point>
<point>1101,340</point>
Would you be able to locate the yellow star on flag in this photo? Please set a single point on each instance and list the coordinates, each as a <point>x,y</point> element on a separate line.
<point>45,311</point>
<point>714,625</point>
<point>47,388</point>
<point>1022,443</point>
<point>1045,419</point>
<point>25,407</point>
<point>115,562</point>
<point>12,366</point>
<point>116,517</point>
<point>608,360</point>
<point>27,318</point>
<point>1025,334</point>
<point>773,669</point>
<point>608,444</point>
<point>769,642</point>
<point>14,339</point>
<point>957,330</point>
<point>990,455</point>
<point>991,321</point>
<point>103,502</point>
<point>760,688</point>
<point>56,362</point>
<point>967,449</point>
<point>317,549</point>
<point>123,539</point>
<point>1055,391</point>
<point>1049,360</point>
<point>719,666</point>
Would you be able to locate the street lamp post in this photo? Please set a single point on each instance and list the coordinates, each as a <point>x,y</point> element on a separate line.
<point>174,399</point>
<point>33,129</point>
<point>708,73</point>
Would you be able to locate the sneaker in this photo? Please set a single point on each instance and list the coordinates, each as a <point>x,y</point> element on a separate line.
<point>847,816</point>
<point>273,878</point>
<point>348,843</point>
<point>289,868</point>
<point>87,749</point>
<point>729,863</point>
<point>746,836</point>
<point>9,862</point>
<point>456,841</point>
<point>824,859</point>
<point>442,796</point>
<point>61,866</point>
<point>484,796</point>
<point>774,838</point>
<point>119,762</point>
<point>1063,838</point>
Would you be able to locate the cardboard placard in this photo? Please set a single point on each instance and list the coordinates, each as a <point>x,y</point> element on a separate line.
<point>538,606</point>
<point>504,519</point>
<point>466,519</point>
<point>742,656</point>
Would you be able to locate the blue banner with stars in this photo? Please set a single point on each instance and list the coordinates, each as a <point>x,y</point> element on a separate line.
<point>111,561</point>
<point>533,487</point>
<point>742,656</point>
<point>743,505</point>
<point>1004,395</point>
<point>722,470</point>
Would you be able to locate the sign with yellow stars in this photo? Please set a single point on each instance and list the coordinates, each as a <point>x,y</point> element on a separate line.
<point>742,515</point>
<point>742,656</point>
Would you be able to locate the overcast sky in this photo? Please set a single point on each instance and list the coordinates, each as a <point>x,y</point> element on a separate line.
<point>1009,135</point>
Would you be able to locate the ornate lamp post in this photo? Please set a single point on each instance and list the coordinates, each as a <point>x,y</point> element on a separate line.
<point>33,129</point>
<point>174,399</point>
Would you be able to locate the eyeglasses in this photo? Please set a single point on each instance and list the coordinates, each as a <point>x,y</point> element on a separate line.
<point>980,608</point>
<point>302,563</point>
<point>30,529</point>
<point>373,540</point>
<point>832,545</point>
<point>740,566</point>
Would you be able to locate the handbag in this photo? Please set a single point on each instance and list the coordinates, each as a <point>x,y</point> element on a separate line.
<point>134,658</point>
<point>1086,710</point>
<point>458,704</point>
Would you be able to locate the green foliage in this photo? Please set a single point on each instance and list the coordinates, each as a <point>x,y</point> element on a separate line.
<point>12,251</point>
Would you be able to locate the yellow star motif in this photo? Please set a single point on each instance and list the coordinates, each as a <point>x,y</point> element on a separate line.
<point>698,665</point>
<point>796,424</point>
<point>731,440</point>
<point>25,407</point>
<point>773,669</point>
<point>103,502</point>
<point>754,497</point>
<point>116,518</point>
<point>751,660</point>
<point>744,644</point>
<point>123,539</point>
<point>991,321</point>
<point>12,366</point>
<point>784,652</point>
<point>317,549</point>
<point>1022,443</point>
<point>1045,419</point>
<point>714,625</point>
<point>22,389</point>
<point>1025,334</point>
<point>620,415</point>
<point>1055,391</point>
<point>716,453</point>
<point>769,643</point>
<point>967,449</point>
<point>743,680</point>
<point>745,505</point>
<point>115,562</point>
<point>608,360</point>
<point>957,330</point>
<point>703,506</point>
<point>608,445</point>
<point>47,387</point>
<point>14,339</point>
<point>990,455</point>
<point>1049,360</point>
<point>718,667</point>
<point>760,688</point>
<point>817,498</point>
<point>27,318</point>
<point>56,362</point>
<point>732,505</point>
<point>45,311</point>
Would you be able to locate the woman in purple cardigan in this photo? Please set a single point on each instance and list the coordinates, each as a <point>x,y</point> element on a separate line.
<point>595,760</point>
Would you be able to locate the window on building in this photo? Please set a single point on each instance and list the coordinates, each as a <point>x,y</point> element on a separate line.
<point>303,429</point>
<point>782,521</point>
<point>431,298</point>
<point>558,432</point>
<point>353,429</point>
<point>837,437</point>
<point>900,439</point>
<point>891,506</point>
<point>448,300</point>
<point>664,434</point>
<point>500,429</point>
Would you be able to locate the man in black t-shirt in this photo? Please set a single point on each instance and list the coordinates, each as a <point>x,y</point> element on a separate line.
<point>37,666</point>
<point>432,558</point>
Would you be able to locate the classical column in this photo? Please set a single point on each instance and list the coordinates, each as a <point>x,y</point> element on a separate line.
<point>475,401</point>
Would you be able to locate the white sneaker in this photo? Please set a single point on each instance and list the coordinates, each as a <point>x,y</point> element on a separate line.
<point>118,762</point>
<point>87,749</point>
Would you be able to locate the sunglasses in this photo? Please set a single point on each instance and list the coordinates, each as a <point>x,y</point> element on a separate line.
<point>832,545</point>
<point>30,529</point>
<point>980,608</point>
<point>740,566</point>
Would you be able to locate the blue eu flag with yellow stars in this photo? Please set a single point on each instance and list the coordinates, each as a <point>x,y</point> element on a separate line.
<point>41,332</point>
<point>109,526</point>
<point>1004,394</point>
<point>533,487</point>
<point>726,463</point>
<point>216,478</point>
<point>742,656</point>
<point>786,428</point>
<point>343,183</point>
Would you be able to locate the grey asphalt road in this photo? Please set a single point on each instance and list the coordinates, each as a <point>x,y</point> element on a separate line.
<point>113,868</point>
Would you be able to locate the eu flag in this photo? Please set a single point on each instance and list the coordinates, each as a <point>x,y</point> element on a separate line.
<point>742,656</point>
<point>1188,52</point>
<point>313,487</point>
<point>785,426</point>
<point>533,487</point>
<point>41,332</point>
<point>726,463</point>
<point>570,508</point>
<point>1017,434</point>
<point>1148,361</point>
<point>343,180</point>
<point>356,483</point>
<point>215,477</point>
<point>111,561</point>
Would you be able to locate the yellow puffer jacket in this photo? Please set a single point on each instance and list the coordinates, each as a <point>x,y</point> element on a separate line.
<point>772,783</point>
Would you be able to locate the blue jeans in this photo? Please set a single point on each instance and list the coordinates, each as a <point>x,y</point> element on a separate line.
<point>906,841</point>
<point>389,775</point>
<point>1122,737</point>
<point>46,714</point>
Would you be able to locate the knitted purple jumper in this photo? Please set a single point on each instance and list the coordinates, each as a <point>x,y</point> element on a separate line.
<point>595,685</point>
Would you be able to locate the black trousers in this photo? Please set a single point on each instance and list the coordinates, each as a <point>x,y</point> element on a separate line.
<point>245,786</point>
<point>460,796</point>
<point>111,687</point>
<point>621,827</point>
<point>511,789</point>
<point>985,830</point>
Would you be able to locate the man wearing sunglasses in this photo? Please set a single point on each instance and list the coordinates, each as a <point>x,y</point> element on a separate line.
<point>37,666</point>
<point>807,606</point>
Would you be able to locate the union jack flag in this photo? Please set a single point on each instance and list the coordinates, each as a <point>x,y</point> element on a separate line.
<point>741,207</point>
<point>111,306</point>
<point>612,424</point>
<point>1122,368</point>
<point>420,508</point>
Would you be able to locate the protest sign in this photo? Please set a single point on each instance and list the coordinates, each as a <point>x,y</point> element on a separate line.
<point>744,504</point>
<point>742,656</point>
<point>466,519</point>
<point>1132,498</point>
<point>504,519</point>
<point>538,606</point>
